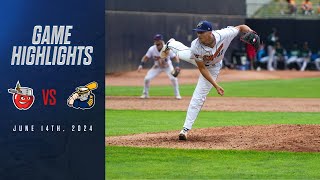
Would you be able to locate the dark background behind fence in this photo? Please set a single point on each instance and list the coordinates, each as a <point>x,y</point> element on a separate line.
<point>221,7</point>
<point>289,31</point>
<point>130,26</point>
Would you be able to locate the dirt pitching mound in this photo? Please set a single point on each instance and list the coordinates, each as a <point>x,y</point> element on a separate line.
<point>294,138</point>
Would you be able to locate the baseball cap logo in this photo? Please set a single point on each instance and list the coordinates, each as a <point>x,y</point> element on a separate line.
<point>199,25</point>
<point>203,26</point>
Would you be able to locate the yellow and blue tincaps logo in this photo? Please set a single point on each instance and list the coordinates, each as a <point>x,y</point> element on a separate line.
<point>83,98</point>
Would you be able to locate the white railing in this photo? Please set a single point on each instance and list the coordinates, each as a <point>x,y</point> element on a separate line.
<point>253,6</point>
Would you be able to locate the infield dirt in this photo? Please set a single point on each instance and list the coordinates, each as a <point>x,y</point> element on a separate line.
<point>190,76</point>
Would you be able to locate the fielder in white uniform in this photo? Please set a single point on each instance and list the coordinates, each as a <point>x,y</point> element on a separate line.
<point>160,65</point>
<point>206,52</point>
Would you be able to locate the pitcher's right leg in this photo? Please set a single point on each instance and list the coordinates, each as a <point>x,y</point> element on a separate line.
<point>197,101</point>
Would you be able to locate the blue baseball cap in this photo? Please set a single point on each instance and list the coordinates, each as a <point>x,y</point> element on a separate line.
<point>158,37</point>
<point>203,26</point>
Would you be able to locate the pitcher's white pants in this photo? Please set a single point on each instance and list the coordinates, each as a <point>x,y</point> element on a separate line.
<point>199,95</point>
<point>203,87</point>
<point>155,71</point>
<point>183,52</point>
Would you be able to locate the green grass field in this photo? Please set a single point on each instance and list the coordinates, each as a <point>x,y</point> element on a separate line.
<point>162,163</point>
<point>294,88</point>
<point>123,122</point>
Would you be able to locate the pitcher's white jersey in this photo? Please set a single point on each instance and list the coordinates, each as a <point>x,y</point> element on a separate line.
<point>155,55</point>
<point>207,54</point>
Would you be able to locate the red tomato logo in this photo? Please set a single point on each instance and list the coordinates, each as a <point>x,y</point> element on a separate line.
<point>22,102</point>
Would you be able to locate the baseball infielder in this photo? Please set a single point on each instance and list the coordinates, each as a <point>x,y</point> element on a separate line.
<point>206,52</point>
<point>160,65</point>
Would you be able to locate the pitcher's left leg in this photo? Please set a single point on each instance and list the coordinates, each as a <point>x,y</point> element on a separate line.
<point>181,50</point>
